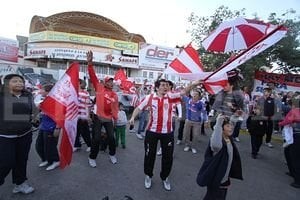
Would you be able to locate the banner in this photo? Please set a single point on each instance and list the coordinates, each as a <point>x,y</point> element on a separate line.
<point>282,82</point>
<point>111,57</point>
<point>9,49</point>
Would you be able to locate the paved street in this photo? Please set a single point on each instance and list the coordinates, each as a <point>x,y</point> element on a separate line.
<point>264,178</point>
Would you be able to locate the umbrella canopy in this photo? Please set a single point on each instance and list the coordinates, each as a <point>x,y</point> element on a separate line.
<point>235,35</point>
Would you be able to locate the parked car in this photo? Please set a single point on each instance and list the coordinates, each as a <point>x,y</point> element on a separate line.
<point>125,100</point>
<point>34,78</point>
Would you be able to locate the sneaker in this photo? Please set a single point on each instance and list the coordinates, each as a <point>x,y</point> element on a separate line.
<point>23,188</point>
<point>147,182</point>
<point>167,184</point>
<point>139,136</point>
<point>132,131</point>
<point>236,139</point>
<point>123,146</point>
<point>143,134</point>
<point>194,151</point>
<point>43,164</point>
<point>187,148</point>
<point>178,142</point>
<point>113,159</point>
<point>159,152</point>
<point>269,145</point>
<point>75,149</point>
<point>92,163</point>
<point>285,144</point>
<point>88,149</point>
<point>53,166</point>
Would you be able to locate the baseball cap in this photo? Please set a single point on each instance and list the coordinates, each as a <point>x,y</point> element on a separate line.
<point>106,79</point>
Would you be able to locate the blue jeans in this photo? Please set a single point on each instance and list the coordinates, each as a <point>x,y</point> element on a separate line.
<point>143,120</point>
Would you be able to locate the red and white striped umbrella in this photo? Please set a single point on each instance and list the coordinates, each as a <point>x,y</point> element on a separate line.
<point>235,35</point>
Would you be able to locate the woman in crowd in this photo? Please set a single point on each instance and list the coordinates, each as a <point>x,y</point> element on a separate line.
<point>16,114</point>
<point>222,161</point>
<point>292,151</point>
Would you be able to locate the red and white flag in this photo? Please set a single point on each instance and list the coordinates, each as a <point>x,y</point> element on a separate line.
<point>61,105</point>
<point>188,66</point>
<point>188,61</point>
<point>120,75</point>
<point>125,84</point>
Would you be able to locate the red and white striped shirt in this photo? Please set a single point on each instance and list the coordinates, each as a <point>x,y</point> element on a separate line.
<point>84,104</point>
<point>161,111</point>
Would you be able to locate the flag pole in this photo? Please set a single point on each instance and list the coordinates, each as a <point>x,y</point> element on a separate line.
<point>245,51</point>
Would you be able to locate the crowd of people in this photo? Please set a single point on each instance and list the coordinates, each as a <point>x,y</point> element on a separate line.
<point>102,124</point>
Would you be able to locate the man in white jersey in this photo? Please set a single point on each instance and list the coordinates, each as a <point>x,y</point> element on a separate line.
<point>159,129</point>
<point>83,117</point>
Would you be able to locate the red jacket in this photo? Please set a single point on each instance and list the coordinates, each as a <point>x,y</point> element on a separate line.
<point>106,100</point>
<point>292,117</point>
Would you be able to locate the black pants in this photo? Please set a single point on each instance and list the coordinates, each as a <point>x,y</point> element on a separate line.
<point>294,155</point>
<point>237,128</point>
<point>46,146</point>
<point>96,137</point>
<point>13,156</point>
<point>167,148</point>
<point>83,130</point>
<point>180,129</point>
<point>269,130</point>
<point>287,156</point>
<point>202,129</point>
<point>215,194</point>
<point>256,142</point>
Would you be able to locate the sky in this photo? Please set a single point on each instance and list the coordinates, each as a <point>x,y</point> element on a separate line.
<point>161,22</point>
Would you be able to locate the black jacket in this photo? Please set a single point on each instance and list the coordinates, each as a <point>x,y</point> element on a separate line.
<point>214,167</point>
<point>15,113</point>
<point>256,125</point>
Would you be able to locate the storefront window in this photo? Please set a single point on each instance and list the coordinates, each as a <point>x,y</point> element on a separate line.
<point>144,74</point>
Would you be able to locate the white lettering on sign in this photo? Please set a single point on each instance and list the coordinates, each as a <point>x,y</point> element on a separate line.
<point>159,53</point>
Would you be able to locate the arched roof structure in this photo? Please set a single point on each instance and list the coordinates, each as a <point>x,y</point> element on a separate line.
<point>83,23</point>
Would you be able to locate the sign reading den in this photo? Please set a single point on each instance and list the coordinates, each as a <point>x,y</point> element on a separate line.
<point>153,56</point>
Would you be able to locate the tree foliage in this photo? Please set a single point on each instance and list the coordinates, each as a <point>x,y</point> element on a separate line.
<point>285,53</point>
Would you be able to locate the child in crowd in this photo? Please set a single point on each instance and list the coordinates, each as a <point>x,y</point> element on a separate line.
<point>121,126</point>
<point>256,125</point>
<point>46,142</point>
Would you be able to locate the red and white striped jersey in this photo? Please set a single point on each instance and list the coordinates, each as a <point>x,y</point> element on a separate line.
<point>84,104</point>
<point>161,111</point>
<point>135,100</point>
